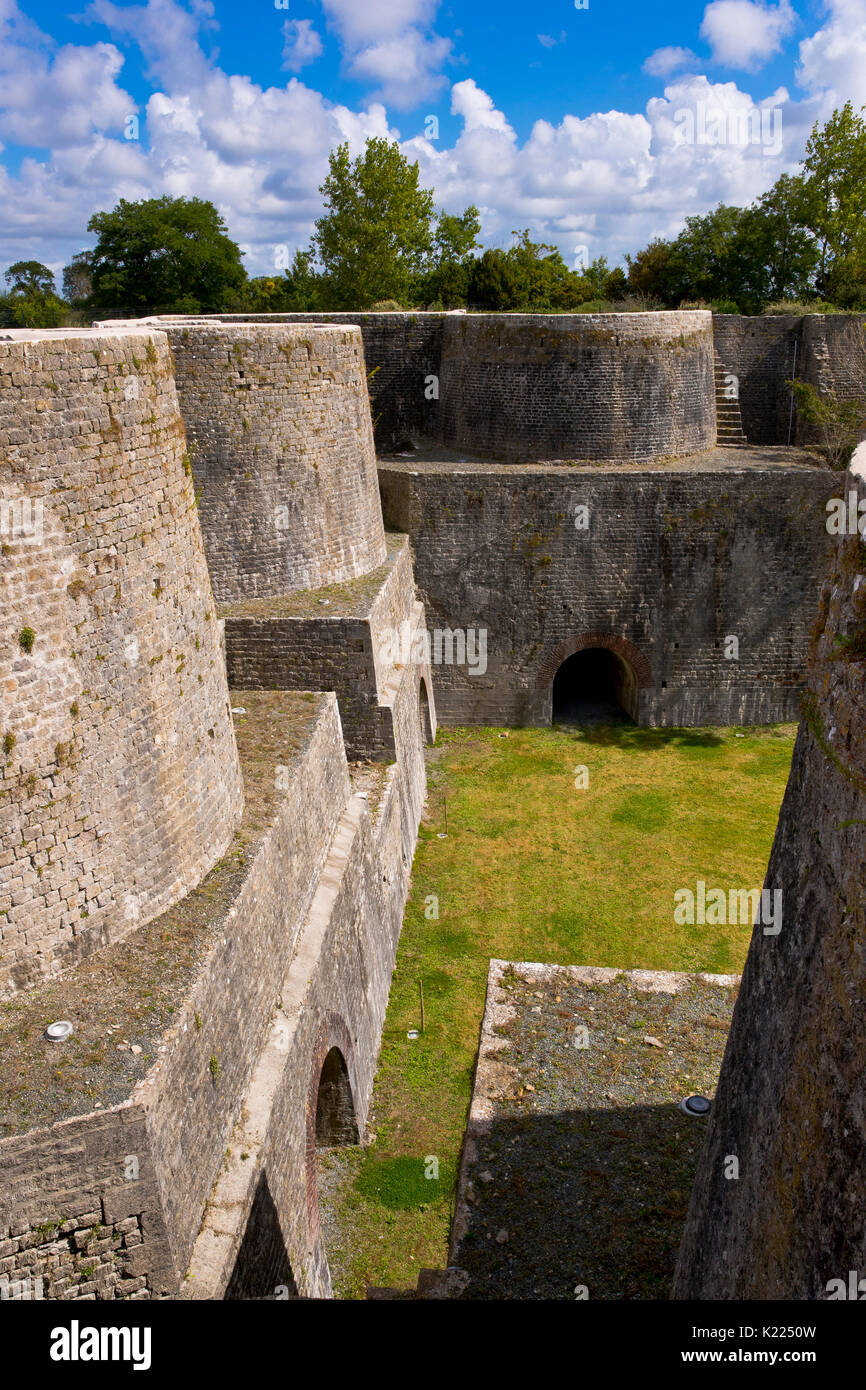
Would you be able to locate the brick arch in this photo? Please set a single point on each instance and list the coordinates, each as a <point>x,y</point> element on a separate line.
<point>636,659</point>
<point>333,1033</point>
<point>582,641</point>
<point>425,710</point>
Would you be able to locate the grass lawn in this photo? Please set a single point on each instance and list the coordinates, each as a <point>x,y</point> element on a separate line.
<point>532,868</point>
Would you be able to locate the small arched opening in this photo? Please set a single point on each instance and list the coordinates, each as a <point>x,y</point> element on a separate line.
<point>335,1108</point>
<point>595,686</point>
<point>424,712</point>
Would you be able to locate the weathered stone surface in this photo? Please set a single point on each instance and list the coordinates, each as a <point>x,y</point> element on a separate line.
<point>281,446</point>
<point>119,773</point>
<point>790,1103</point>
<point>659,564</point>
<point>291,941</point>
<point>522,387</point>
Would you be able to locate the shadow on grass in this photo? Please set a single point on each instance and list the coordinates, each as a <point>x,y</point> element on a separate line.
<point>634,736</point>
<point>595,1198</point>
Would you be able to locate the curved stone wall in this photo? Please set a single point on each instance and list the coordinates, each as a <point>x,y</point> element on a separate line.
<point>119,779</point>
<point>527,387</point>
<point>281,446</point>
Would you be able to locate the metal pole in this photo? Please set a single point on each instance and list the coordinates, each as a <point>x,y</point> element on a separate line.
<point>793,378</point>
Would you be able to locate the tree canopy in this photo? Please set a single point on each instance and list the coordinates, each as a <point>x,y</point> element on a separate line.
<point>804,238</point>
<point>31,300</point>
<point>380,239</point>
<point>170,255</point>
<point>375,234</point>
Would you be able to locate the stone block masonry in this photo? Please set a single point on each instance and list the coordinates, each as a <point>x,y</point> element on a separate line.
<point>767,352</point>
<point>281,444</point>
<point>531,386</point>
<point>523,387</point>
<point>660,565</point>
<point>119,780</point>
<point>340,643</point>
<point>787,1221</point>
<point>403,352</point>
<point>289,949</point>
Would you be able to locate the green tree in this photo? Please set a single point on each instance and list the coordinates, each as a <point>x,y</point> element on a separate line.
<point>615,284</point>
<point>495,283</point>
<point>655,272</point>
<point>375,235</point>
<point>31,301</point>
<point>446,282</point>
<point>78,278</point>
<point>30,279</point>
<point>169,255</point>
<point>833,204</point>
<point>789,250</point>
<point>305,287</point>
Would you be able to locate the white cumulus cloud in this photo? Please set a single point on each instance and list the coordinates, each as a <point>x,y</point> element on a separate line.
<point>833,60</point>
<point>743,34</point>
<point>666,60</point>
<point>302,44</point>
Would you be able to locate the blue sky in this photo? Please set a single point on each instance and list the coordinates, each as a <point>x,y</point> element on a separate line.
<point>579,123</point>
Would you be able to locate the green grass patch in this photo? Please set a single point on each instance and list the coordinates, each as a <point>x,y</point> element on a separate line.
<point>534,869</point>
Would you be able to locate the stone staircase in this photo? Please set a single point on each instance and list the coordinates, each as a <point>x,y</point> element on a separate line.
<point>729,421</point>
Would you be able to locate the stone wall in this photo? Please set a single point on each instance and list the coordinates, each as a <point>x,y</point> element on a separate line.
<point>670,563</point>
<point>523,387</point>
<point>834,360</point>
<point>790,1102</point>
<point>532,386</point>
<point>278,424</point>
<point>766,352</point>
<point>119,780</point>
<point>402,352</point>
<point>760,352</point>
<point>348,651</point>
<point>299,962</point>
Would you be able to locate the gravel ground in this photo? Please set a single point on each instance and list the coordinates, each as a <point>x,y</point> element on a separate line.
<point>583,1168</point>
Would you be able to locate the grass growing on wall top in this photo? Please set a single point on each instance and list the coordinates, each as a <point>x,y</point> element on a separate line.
<point>534,869</point>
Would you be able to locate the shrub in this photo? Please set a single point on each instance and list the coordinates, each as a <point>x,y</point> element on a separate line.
<point>840,424</point>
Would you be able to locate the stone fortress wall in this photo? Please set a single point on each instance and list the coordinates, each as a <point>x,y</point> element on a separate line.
<point>267,972</point>
<point>789,1107</point>
<point>404,352</point>
<point>662,566</point>
<point>281,445</point>
<point>494,429</point>
<point>272,963</point>
<point>119,773</point>
<point>524,387</point>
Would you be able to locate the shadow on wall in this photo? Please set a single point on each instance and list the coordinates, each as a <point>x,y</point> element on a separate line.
<point>424,713</point>
<point>262,1269</point>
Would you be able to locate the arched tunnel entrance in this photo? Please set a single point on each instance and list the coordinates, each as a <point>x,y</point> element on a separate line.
<point>335,1108</point>
<point>595,686</point>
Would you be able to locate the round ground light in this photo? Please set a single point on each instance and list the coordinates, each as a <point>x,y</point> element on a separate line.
<point>59,1032</point>
<point>696,1105</point>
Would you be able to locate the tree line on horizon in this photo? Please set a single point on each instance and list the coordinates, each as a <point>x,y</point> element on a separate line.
<point>380,243</point>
